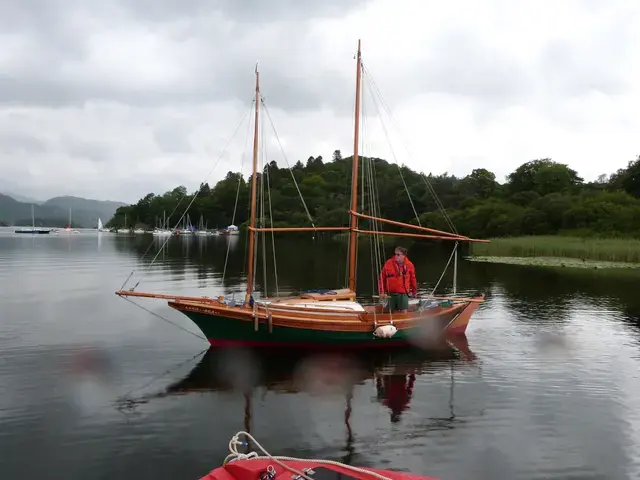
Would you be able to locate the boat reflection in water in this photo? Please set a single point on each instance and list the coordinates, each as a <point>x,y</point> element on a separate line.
<point>321,373</point>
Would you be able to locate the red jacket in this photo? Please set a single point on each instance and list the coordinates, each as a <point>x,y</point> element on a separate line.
<point>396,278</point>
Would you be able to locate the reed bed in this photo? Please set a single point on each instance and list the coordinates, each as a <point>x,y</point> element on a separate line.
<point>599,249</point>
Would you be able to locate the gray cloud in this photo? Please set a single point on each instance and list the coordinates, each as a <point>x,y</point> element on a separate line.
<point>61,53</point>
<point>172,136</point>
<point>460,63</point>
<point>23,142</point>
<point>122,97</point>
<point>242,11</point>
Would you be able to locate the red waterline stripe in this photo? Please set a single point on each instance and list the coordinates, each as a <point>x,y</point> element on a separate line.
<point>320,345</point>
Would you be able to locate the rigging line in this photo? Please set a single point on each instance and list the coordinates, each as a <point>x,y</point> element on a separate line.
<point>287,161</point>
<point>386,133</point>
<point>374,200</point>
<point>126,396</point>
<point>195,195</point>
<point>149,248</point>
<point>273,239</point>
<point>429,186</point>
<point>235,205</point>
<point>439,204</point>
<point>165,319</point>
<point>455,246</point>
<point>273,235</point>
<point>224,150</point>
<point>375,213</point>
<point>366,174</point>
<point>262,212</point>
<point>255,264</point>
<point>246,244</point>
<point>378,214</point>
<point>364,179</point>
<point>377,240</point>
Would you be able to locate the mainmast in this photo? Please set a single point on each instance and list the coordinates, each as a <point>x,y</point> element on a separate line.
<point>252,224</point>
<point>353,234</point>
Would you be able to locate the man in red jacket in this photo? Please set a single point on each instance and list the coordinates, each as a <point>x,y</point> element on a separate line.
<point>398,279</point>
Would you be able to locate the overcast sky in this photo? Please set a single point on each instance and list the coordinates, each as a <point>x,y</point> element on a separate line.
<point>113,99</point>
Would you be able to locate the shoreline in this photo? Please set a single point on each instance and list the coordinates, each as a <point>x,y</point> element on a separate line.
<point>555,262</point>
<point>572,250</point>
<point>555,251</point>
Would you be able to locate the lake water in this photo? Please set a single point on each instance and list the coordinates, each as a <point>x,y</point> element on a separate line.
<point>546,384</point>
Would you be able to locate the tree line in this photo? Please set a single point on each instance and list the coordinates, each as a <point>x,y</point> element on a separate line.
<point>540,197</point>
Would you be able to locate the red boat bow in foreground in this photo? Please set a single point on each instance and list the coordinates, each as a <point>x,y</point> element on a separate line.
<point>253,467</point>
<point>256,469</point>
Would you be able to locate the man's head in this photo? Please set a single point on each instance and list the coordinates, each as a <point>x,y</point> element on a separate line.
<point>399,254</point>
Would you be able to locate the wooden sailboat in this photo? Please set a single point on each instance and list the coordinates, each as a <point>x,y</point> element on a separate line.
<point>329,317</point>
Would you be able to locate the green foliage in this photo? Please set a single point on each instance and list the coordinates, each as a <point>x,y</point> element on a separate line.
<point>541,197</point>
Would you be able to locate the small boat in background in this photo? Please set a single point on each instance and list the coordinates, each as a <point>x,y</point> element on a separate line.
<point>68,228</point>
<point>231,230</point>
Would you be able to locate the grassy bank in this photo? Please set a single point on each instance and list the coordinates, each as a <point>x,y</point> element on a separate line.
<point>584,249</point>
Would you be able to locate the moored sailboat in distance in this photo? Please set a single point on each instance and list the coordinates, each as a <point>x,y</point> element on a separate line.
<point>33,230</point>
<point>164,230</point>
<point>331,317</point>
<point>68,229</point>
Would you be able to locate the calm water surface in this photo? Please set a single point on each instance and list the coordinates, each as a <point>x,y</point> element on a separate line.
<point>546,384</point>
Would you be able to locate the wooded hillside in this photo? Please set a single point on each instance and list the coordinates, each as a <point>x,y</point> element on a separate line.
<point>539,197</point>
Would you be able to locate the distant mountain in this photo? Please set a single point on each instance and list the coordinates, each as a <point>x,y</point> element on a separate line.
<point>22,198</point>
<point>55,211</point>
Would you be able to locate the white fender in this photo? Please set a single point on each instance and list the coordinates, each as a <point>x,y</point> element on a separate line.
<point>385,331</point>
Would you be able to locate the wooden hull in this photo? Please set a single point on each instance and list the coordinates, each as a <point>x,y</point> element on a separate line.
<point>292,326</point>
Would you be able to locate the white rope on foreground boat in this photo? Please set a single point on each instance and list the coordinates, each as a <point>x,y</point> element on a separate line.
<point>235,455</point>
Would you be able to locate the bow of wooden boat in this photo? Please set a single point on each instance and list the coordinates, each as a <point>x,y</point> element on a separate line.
<point>164,296</point>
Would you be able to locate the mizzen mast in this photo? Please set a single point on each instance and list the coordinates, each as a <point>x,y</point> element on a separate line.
<point>252,221</point>
<point>353,229</point>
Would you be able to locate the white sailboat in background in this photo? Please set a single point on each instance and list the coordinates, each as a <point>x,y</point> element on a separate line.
<point>124,229</point>
<point>163,231</point>
<point>202,228</point>
<point>100,226</point>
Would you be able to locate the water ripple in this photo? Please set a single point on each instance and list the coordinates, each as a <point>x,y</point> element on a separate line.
<point>548,388</point>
